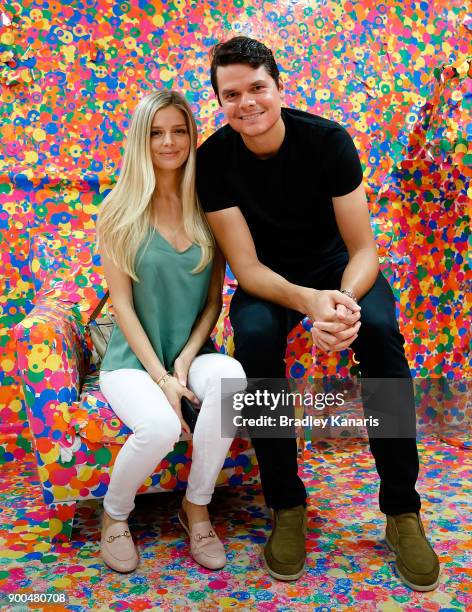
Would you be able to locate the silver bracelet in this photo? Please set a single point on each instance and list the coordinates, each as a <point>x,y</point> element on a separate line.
<point>350,294</point>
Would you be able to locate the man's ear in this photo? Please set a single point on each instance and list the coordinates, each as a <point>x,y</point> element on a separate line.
<point>281,86</point>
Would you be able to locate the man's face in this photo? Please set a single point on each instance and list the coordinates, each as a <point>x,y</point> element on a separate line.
<point>249,98</point>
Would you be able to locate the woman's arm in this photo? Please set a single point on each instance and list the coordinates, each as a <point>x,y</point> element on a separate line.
<point>119,285</point>
<point>205,322</point>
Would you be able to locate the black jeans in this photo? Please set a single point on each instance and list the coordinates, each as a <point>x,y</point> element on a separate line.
<point>260,337</point>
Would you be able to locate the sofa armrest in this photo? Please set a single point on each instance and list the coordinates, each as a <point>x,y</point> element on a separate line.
<point>52,357</point>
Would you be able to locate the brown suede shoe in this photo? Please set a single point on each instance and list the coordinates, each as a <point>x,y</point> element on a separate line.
<point>417,563</point>
<point>285,552</point>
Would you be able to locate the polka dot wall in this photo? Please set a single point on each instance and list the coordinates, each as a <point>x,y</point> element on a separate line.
<point>398,76</point>
<point>395,74</point>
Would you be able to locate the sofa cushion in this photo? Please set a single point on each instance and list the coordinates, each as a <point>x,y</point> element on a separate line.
<point>94,419</point>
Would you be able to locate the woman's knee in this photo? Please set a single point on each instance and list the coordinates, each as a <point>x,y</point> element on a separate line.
<point>159,431</point>
<point>226,370</point>
<point>231,368</point>
<point>233,378</point>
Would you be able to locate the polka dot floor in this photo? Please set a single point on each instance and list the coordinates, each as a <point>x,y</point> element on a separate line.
<point>349,565</point>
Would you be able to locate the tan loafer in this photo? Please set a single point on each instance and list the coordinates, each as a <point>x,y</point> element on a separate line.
<point>117,548</point>
<point>284,555</point>
<point>205,546</point>
<point>417,563</point>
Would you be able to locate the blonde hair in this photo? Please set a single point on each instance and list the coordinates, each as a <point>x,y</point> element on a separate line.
<point>124,217</point>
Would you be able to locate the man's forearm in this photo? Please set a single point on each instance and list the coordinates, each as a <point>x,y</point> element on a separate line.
<point>361,271</point>
<point>259,280</point>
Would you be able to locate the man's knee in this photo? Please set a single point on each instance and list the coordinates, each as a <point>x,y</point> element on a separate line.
<point>260,335</point>
<point>258,327</point>
<point>378,315</point>
<point>380,327</point>
<point>380,346</point>
<point>261,352</point>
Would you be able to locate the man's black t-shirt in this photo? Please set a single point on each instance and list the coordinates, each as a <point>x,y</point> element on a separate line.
<point>285,199</point>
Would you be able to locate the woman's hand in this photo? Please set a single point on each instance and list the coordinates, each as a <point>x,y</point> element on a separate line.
<point>181,368</point>
<point>174,391</point>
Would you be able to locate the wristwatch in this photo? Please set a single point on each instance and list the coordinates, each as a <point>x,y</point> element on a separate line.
<point>350,294</point>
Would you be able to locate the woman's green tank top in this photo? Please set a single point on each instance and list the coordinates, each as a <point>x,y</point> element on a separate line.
<point>167,301</point>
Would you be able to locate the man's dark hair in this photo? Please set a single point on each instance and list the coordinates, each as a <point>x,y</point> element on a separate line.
<point>242,50</point>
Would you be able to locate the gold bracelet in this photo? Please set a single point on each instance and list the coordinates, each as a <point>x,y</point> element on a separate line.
<point>163,379</point>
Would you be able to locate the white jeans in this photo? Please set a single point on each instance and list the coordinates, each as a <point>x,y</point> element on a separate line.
<point>142,405</point>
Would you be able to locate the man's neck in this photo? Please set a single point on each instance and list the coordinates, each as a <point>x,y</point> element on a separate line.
<point>266,145</point>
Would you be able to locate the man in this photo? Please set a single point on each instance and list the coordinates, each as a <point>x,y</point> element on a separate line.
<point>282,190</point>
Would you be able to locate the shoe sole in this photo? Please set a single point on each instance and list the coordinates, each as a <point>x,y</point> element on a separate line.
<point>415,587</point>
<point>284,577</point>
<point>119,570</point>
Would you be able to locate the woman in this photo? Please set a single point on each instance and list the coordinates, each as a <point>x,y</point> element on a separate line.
<point>165,278</point>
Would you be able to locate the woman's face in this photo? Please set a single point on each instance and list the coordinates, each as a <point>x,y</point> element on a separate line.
<point>170,139</point>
